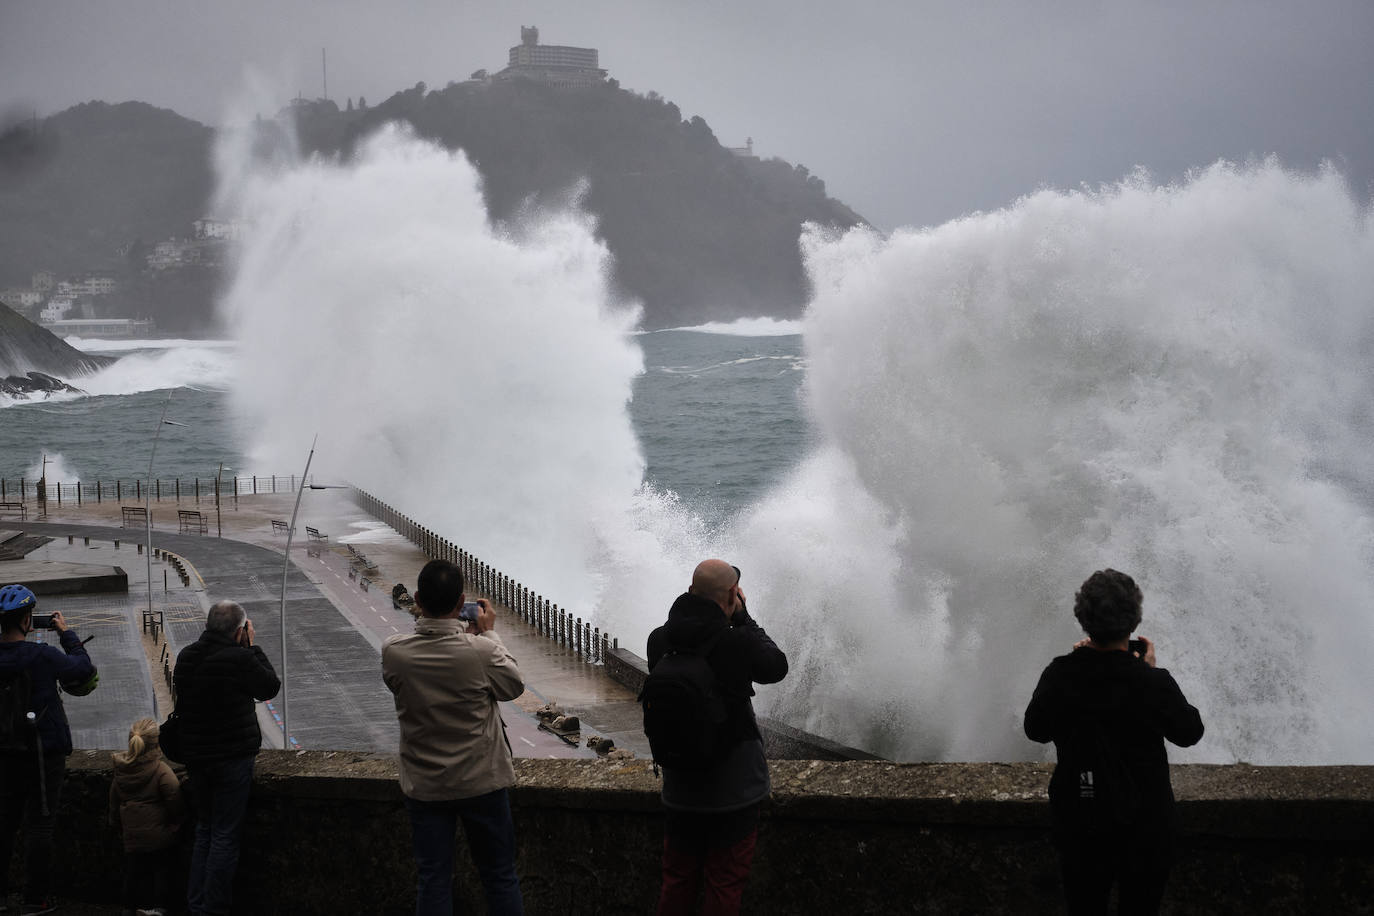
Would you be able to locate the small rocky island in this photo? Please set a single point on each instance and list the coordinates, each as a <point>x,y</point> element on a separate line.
<point>34,361</point>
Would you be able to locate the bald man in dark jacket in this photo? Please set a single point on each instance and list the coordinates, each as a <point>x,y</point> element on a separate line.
<point>712,824</point>
<point>218,680</point>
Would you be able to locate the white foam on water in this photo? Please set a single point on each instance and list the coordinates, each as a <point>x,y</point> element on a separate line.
<point>122,345</point>
<point>180,364</point>
<point>57,469</point>
<point>371,533</point>
<point>748,327</point>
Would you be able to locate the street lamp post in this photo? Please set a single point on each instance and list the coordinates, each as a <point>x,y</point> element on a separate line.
<point>219,520</point>
<point>43,490</point>
<point>148,494</point>
<point>286,569</point>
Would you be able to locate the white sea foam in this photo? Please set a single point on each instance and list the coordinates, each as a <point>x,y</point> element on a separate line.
<point>1172,381</point>
<point>57,469</point>
<point>748,327</point>
<point>191,366</point>
<point>171,364</point>
<point>123,345</point>
<point>473,376</point>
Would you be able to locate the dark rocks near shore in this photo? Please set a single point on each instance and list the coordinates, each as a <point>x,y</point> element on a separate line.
<point>34,383</point>
<point>32,358</point>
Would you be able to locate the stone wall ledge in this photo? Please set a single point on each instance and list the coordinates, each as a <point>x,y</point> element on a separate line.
<point>1239,800</point>
<point>327,832</point>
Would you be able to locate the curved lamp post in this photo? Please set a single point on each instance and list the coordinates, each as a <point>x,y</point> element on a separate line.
<point>148,495</point>
<point>286,569</point>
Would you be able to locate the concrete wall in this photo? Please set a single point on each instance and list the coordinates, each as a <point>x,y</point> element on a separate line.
<point>780,741</point>
<point>327,833</point>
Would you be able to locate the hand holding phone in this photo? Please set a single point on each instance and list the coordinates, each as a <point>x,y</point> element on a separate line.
<point>1143,649</point>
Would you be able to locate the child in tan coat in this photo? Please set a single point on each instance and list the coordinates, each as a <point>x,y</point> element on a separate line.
<point>147,805</point>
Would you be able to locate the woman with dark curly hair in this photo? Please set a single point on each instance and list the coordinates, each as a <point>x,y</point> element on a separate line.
<point>1108,710</point>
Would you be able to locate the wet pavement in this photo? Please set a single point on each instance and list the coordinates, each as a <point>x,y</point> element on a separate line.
<point>335,623</point>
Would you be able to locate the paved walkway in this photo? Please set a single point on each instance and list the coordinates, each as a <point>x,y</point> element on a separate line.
<point>334,695</point>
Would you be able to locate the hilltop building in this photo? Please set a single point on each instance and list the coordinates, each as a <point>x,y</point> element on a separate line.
<point>743,152</point>
<point>558,65</point>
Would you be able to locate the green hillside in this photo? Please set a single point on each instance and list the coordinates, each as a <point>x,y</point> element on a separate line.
<point>95,179</point>
<point>697,233</point>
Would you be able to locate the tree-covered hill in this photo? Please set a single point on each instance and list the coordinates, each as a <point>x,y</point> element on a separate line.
<point>79,188</point>
<point>697,233</point>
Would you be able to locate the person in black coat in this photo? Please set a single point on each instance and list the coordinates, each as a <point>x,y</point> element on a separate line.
<point>1108,709</point>
<point>218,681</point>
<point>33,759</point>
<point>712,823</point>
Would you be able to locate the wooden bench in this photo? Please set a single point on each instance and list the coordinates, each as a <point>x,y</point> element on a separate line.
<point>191,521</point>
<point>128,515</point>
<point>279,526</point>
<point>360,561</point>
<point>314,534</point>
<point>22,509</point>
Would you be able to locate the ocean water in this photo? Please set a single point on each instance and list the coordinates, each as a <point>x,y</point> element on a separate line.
<point>752,371</point>
<point>1172,380</point>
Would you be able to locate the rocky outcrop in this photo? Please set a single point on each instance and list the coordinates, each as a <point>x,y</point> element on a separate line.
<point>31,383</point>
<point>34,360</point>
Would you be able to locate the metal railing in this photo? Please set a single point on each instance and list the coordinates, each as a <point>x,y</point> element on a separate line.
<point>547,618</point>
<point>178,489</point>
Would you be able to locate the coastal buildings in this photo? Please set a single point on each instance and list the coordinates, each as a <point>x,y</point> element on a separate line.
<point>558,65</point>
<point>107,328</point>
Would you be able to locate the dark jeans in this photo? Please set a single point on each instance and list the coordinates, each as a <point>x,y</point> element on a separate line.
<point>22,801</point>
<point>718,848</point>
<point>147,877</point>
<point>1136,862</point>
<point>491,838</point>
<point>220,792</point>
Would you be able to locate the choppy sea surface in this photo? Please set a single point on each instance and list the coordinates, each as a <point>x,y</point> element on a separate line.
<point>716,413</point>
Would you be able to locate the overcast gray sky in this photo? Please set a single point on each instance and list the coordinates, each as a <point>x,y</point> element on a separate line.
<point>912,111</point>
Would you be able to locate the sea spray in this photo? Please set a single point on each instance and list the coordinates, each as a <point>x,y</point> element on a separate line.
<point>474,376</point>
<point>1170,380</point>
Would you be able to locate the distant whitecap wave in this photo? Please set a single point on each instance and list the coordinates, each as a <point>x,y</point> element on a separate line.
<point>747,327</point>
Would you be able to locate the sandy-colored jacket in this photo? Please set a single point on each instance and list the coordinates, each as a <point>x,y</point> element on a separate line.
<point>446,684</point>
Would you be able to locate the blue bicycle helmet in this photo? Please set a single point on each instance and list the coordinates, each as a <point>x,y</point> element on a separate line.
<point>17,598</point>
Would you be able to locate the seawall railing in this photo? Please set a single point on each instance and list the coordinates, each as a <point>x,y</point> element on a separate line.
<point>547,618</point>
<point>557,623</point>
<point>117,489</point>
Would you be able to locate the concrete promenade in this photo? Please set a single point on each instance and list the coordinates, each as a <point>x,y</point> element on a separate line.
<point>335,698</point>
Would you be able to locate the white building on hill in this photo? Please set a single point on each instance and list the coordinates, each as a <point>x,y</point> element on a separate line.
<point>559,65</point>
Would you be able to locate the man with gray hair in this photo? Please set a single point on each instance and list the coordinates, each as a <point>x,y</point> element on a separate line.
<point>217,682</point>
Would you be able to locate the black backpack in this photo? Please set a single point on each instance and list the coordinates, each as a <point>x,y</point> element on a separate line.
<point>684,712</point>
<point>1107,792</point>
<point>17,732</point>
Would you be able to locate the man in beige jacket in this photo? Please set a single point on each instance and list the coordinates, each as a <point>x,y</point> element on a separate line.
<point>447,678</point>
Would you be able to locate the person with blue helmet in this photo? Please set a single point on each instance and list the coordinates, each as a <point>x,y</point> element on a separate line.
<point>33,756</point>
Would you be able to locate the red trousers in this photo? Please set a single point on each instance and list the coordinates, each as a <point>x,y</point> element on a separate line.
<point>724,868</point>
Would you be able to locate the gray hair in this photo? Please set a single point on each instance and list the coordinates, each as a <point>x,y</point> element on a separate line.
<point>225,617</point>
